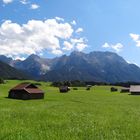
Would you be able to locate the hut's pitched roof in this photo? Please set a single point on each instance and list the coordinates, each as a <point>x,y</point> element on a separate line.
<point>32,90</point>
<point>29,87</point>
<point>135,88</point>
<point>22,86</point>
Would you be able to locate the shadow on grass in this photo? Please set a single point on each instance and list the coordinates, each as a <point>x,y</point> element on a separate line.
<point>22,99</point>
<point>14,99</point>
<point>134,94</point>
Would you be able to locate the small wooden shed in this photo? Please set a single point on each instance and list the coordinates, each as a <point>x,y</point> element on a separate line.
<point>26,91</point>
<point>64,89</point>
<point>113,89</point>
<point>88,87</point>
<point>125,90</point>
<point>135,89</point>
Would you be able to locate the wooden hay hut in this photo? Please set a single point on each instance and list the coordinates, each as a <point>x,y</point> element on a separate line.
<point>125,90</point>
<point>75,88</point>
<point>113,89</point>
<point>135,89</point>
<point>88,87</point>
<point>26,91</point>
<point>64,89</point>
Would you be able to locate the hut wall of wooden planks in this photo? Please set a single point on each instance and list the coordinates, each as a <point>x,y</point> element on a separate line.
<point>135,89</point>
<point>26,91</point>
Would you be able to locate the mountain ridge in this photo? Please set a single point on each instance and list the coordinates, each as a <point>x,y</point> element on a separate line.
<point>93,66</point>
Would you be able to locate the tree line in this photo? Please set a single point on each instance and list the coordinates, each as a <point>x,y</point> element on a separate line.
<point>78,83</point>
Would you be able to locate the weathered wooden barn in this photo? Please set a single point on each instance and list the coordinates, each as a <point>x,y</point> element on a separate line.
<point>113,89</point>
<point>88,87</point>
<point>125,90</point>
<point>135,89</point>
<point>26,91</point>
<point>64,89</point>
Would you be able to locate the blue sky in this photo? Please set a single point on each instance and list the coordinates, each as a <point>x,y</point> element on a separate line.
<point>92,25</point>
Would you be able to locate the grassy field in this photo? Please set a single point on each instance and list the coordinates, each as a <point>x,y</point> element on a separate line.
<point>97,114</point>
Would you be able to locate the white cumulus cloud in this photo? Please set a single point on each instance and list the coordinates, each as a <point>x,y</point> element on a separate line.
<point>80,44</point>
<point>34,6</point>
<point>117,47</point>
<point>67,46</point>
<point>24,1</point>
<point>59,19</point>
<point>73,22</point>
<point>37,36</point>
<point>135,38</point>
<point>7,1</point>
<point>79,30</point>
<point>57,52</point>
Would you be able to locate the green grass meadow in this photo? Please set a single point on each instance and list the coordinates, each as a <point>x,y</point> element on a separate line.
<point>97,114</point>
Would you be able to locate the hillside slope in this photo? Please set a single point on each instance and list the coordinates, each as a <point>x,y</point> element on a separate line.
<point>9,72</point>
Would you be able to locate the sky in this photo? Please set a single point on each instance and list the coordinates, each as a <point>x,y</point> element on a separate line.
<point>52,28</point>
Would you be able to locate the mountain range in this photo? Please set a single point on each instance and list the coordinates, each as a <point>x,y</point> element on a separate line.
<point>94,66</point>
